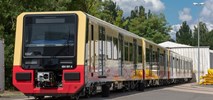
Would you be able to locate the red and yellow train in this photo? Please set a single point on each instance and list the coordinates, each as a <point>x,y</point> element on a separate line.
<point>75,54</point>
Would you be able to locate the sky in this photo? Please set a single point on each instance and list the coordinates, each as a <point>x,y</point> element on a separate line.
<point>175,11</point>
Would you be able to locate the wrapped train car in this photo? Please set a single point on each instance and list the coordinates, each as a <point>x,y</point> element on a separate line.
<point>74,54</point>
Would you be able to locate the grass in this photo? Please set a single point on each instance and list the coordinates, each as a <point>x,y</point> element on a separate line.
<point>11,93</point>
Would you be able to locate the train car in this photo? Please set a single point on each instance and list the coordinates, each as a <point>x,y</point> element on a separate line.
<point>180,67</point>
<point>74,54</point>
<point>156,68</point>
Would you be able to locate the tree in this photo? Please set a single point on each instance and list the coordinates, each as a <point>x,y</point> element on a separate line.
<point>203,35</point>
<point>150,26</point>
<point>210,39</point>
<point>184,34</point>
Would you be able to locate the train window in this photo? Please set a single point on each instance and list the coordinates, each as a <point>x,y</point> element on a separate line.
<point>139,54</point>
<point>151,65</point>
<point>164,62</point>
<point>148,53</point>
<point>87,37</point>
<point>171,64</point>
<point>120,52</point>
<point>51,35</point>
<point>92,32</point>
<point>184,66</point>
<point>188,66</point>
<point>174,64</point>
<point>115,48</point>
<point>126,51</point>
<point>158,55</point>
<point>109,47</point>
<point>135,51</point>
<point>130,52</point>
<point>154,60</point>
<point>101,43</point>
<point>178,65</point>
<point>180,61</point>
<point>101,33</point>
<point>101,49</point>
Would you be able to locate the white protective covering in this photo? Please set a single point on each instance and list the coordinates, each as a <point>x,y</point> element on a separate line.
<point>192,52</point>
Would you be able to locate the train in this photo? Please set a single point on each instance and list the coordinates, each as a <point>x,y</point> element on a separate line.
<point>73,54</point>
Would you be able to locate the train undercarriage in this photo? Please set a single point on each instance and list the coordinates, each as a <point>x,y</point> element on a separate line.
<point>104,88</point>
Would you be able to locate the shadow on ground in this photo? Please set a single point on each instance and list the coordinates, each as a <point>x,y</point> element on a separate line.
<point>115,94</point>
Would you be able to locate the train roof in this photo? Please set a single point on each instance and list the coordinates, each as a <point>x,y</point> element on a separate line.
<point>122,31</point>
<point>187,58</point>
<point>153,43</point>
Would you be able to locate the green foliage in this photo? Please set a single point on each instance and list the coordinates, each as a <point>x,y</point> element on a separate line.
<point>151,26</point>
<point>204,33</point>
<point>184,35</point>
<point>210,39</point>
<point>148,25</point>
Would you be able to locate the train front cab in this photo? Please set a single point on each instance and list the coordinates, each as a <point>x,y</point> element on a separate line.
<point>42,66</point>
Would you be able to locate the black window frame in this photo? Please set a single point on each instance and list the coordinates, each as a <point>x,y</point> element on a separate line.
<point>73,57</point>
<point>50,15</point>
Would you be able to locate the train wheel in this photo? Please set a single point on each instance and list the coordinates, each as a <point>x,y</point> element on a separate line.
<point>76,97</point>
<point>141,86</point>
<point>87,95</point>
<point>87,92</point>
<point>105,90</point>
<point>132,85</point>
<point>39,97</point>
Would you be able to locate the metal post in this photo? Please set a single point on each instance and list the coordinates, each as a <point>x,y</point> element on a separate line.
<point>198,45</point>
<point>198,42</point>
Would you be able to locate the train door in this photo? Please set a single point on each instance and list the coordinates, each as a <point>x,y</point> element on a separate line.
<point>158,57</point>
<point>120,54</point>
<point>175,66</point>
<point>101,50</point>
<point>165,64</point>
<point>171,64</point>
<point>91,51</point>
<point>148,67</point>
<point>135,55</point>
<point>140,59</point>
<point>88,52</point>
<point>151,61</point>
<point>184,67</point>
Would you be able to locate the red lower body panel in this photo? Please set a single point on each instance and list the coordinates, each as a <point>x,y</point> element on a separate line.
<point>69,87</point>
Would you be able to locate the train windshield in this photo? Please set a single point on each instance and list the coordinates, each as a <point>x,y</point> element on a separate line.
<point>50,35</point>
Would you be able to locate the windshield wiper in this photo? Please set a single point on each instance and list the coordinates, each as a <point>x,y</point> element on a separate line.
<point>67,45</point>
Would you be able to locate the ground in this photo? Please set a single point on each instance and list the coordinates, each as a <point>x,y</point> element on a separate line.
<point>189,91</point>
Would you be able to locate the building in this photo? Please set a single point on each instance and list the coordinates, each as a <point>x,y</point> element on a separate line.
<point>192,52</point>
